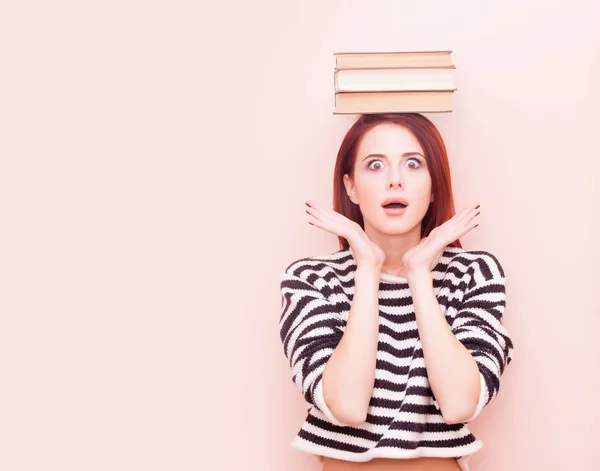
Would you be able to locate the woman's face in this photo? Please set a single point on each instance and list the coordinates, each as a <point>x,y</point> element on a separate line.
<point>390,162</point>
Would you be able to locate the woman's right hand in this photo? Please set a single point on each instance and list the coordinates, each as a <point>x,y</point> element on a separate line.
<point>366,252</point>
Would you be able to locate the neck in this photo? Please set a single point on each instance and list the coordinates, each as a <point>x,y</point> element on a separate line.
<point>394,246</point>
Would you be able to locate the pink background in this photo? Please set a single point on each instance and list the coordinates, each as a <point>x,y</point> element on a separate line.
<point>155,159</point>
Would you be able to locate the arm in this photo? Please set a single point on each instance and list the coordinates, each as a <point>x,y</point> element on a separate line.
<point>315,341</point>
<point>478,325</point>
<point>465,360</point>
<point>350,371</point>
<point>451,370</point>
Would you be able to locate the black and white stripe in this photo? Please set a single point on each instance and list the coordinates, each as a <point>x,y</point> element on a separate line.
<point>404,419</point>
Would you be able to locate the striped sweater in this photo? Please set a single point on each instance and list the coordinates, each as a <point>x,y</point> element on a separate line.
<point>403,419</point>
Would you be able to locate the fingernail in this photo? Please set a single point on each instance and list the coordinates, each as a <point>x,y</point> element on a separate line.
<point>307,212</point>
<point>307,204</point>
<point>477,206</point>
<point>478,212</point>
<point>476,225</point>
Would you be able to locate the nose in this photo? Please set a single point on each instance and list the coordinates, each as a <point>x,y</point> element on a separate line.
<point>395,180</point>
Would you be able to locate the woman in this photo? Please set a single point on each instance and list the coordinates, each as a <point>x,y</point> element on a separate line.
<point>396,340</point>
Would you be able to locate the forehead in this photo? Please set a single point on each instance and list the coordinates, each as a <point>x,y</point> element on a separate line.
<point>389,139</point>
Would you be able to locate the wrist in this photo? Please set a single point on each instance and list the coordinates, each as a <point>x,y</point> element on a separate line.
<point>419,273</point>
<point>371,272</point>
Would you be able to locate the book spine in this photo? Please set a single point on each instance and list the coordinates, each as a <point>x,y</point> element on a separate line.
<point>391,52</point>
<point>416,90</point>
<point>407,67</point>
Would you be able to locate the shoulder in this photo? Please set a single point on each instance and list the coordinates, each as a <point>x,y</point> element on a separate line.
<point>320,275</point>
<point>326,265</point>
<point>484,263</point>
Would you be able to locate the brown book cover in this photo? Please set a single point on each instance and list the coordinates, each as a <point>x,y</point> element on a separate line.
<point>382,60</point>
<point>394,102</point>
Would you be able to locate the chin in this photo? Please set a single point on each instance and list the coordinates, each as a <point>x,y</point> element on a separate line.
<point>394,229</point>
<point>397,227</point>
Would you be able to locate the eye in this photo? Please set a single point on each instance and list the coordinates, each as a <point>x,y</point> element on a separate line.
<point>414,166</point>
<point>415,160</point>
<point>371,162</point>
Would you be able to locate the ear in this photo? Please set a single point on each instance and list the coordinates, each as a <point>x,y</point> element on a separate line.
<point>350,188</point>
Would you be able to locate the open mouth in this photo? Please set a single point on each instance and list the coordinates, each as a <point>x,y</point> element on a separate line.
<point>394,205</point>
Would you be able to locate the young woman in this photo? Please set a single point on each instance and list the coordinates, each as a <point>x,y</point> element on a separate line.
<point>396,340</point>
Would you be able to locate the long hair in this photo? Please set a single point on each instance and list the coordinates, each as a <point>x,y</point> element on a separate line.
<point>440,210</point>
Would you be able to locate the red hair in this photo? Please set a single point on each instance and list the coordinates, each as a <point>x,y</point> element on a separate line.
<point>442,208</point>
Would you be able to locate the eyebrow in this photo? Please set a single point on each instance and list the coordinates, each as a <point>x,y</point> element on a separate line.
<point>406,154</point>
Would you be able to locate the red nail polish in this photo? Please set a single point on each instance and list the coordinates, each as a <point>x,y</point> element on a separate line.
<point>475,226</point>
<point>478,212</point>
<point>307,212</point>
<point>477,206</point>
<point>307,204</point>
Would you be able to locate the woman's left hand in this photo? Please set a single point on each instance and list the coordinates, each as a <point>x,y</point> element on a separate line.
<point>425,254</point>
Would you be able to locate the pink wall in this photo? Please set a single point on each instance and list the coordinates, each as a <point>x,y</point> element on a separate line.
<point>155,163</point>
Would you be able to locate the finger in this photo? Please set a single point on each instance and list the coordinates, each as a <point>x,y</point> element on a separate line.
<point>314,205</point>
<point>467,213</point>
<point>325,226</point>
<point>314,208</point>
<point>472,214</point>
<point>318,213</point>
<point>467,209</point>
<point>458,216</point>
<point>469,227</point>
<point>333,221</point>
<point>317,210</point>
<point>327,214</point>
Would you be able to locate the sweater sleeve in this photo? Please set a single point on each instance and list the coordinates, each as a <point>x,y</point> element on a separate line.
<point>478,325</point>
<point>310,329</point>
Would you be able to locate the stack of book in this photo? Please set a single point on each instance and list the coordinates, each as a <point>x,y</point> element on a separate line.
<point>393,82</point>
